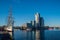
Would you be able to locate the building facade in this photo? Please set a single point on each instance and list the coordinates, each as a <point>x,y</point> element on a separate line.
<point>37,20</point>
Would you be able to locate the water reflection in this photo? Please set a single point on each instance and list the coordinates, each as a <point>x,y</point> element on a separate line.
<point>33,35</point>
<point>5,36</point>
<point>28,35</point>
<point>37,35</point>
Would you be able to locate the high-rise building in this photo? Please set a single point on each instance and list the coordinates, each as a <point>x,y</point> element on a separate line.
<point>41,22</point>
<point>33,23</point>
<point>37,20</point>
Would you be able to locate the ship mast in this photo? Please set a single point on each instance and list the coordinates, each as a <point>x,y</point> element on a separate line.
<point>10,18</point>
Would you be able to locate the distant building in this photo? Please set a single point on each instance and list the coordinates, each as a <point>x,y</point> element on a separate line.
<point>37,20</point>
<point>24,25</point>
<point>28,25</point>
<point>33,23</point>
<point>41,22</point>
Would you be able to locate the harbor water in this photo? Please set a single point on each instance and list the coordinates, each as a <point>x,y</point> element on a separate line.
<point>35,35</point>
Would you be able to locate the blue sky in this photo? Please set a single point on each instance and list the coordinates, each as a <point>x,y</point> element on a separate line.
<point>24,11</point>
